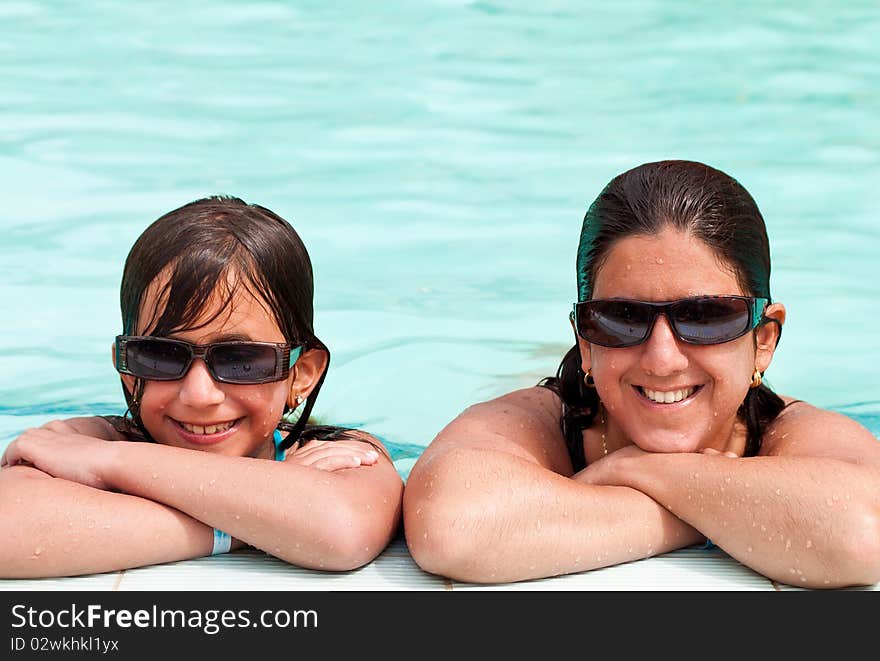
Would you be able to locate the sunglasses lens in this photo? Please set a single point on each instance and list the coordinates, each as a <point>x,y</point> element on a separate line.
<point>156,359</point>
<point>711,320</point>
<point>243,363</point>
<point>614,323</point>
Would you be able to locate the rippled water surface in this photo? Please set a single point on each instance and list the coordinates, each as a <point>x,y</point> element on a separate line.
<point>437,159</point>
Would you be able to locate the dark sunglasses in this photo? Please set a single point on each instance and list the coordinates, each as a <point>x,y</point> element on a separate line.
<point>618,323</point>
<point>162,359</point>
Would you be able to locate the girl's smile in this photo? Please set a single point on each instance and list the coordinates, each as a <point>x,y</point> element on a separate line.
<point>198,412</point>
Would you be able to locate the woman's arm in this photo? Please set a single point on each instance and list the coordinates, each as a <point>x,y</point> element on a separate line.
<point>492,500</point>
<point>330,519</point>
<point>805,512</point>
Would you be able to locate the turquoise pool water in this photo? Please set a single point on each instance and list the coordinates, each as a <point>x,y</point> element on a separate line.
<point>437,159</point>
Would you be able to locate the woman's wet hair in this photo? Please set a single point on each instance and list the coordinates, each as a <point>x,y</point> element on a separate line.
<point>211,247</point>
<point>689,197</point>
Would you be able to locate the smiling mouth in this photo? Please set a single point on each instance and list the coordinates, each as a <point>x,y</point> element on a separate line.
<point>205,430</point>
<point>668,396</point>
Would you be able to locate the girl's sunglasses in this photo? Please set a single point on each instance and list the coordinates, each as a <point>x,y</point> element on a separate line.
<point>161,359</point>
<point>618,323</point>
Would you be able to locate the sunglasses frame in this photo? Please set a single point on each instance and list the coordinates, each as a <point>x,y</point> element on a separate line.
<point>757,305</point>
<point>285,357</point>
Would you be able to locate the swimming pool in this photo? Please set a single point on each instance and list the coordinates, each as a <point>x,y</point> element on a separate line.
<point>437,159</point>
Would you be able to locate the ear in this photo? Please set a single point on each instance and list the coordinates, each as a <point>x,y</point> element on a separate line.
<point>584,346</point>
<point>767,336</point>
<point>127,379</point>
<point>307,372</point>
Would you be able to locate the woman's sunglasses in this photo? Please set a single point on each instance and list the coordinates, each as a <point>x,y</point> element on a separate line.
<point>162,359</point>
<point>618,323</point>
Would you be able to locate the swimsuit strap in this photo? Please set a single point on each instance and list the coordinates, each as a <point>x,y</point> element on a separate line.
<point>279,453</point>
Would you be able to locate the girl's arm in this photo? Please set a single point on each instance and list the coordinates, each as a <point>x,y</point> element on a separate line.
<point>54,527</point>
<point>492,500</point>
<point>329,519</point>
<point>805,512</point>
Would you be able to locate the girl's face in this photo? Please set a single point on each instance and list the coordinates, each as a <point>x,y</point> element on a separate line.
<point>665,267</point>
<point>197,412</point>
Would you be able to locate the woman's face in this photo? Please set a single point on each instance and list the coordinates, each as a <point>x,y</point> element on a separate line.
<point>665,267</point>
<point>197,412</point>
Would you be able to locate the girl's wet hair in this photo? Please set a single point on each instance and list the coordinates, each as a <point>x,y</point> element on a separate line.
<point>211,247</point>
<point>690,197</point>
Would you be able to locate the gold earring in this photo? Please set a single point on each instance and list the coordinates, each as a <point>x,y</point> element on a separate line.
<point>588,379</point>
<point>756,379</point>
<point>298,399</point>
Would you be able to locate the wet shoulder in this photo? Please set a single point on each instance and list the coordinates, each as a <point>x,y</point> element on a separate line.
<point>802,429</point>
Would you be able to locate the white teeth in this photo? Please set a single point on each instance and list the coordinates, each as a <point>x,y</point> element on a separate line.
<point>669,396</point>
<point>207,429</point>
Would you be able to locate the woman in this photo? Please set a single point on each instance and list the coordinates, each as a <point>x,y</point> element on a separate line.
<point>218,350</point>
<point>657,432</point>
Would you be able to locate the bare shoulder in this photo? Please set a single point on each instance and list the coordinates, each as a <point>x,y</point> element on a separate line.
<point>806,430</point>
<point>524,422</point>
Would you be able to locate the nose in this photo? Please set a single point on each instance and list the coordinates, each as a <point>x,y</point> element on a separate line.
<point>198,388</point>
<point>662,353</point>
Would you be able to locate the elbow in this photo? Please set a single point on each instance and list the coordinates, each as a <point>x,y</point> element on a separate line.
<point>436,534</point>
<point>859,561</point>
<point>352,535</point>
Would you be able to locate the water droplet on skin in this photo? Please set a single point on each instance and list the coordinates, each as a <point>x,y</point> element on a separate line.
<point>425,536</point>
<point>350,523</point>
<point>809,543</point>
<point>749,549</point>
<point>757,502</point>
<point>787,544</point>
<point>835,498</point>
<point>107,526</point>
<point>211,483</point>
<point>419,512</point>
<point>659,260</point>
<point>763,528</point>
<point>38,550</point>
<point>791,570</point>
<point>155,476</point>
<point>629,267</point>
<point>727,479</point>
<point>467,485</point>
<point>829,502</point>
<point>537,525</point>
<point>202,488</point>
<point>237,517</point>
<point>779,492</point>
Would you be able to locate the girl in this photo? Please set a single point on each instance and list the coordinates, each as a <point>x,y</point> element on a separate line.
<point>217,350</point>
<point>657,432</point>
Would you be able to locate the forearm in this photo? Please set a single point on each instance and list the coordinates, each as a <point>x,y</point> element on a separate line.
<point>329,520</point>
<point>53,527</point>
<point>807,521</point>
<point>487,516</point>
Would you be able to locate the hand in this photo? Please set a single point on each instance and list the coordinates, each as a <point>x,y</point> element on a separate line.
<point>334,455</point>
<point>58,450</point>
<point>611,469</point>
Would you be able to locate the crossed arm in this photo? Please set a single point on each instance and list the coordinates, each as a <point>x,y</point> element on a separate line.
<point>74,502</point>
<point>493,499</point>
